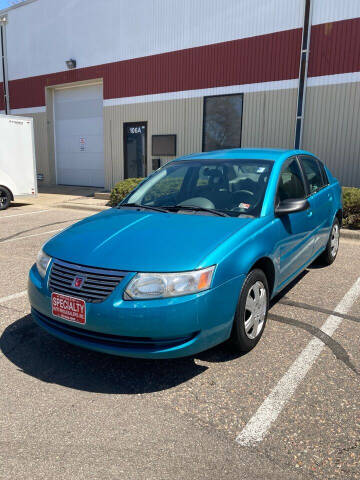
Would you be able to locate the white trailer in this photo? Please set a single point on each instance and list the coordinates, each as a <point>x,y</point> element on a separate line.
<point>17,159</point>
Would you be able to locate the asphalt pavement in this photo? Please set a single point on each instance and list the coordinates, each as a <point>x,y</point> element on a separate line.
<point>287,410</point>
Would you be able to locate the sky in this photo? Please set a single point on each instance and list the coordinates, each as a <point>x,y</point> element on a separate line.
<point>6,3</point>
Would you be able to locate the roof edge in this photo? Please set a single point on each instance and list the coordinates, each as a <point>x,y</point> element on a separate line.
<point>17,5</point>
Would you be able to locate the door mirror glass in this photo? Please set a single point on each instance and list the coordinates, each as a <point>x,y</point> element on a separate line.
<point>291,205</point>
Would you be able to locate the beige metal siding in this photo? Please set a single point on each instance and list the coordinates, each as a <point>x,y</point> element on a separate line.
<point>181,117</point>
<point>269,119</point>
<point>41,145</point>
<point>332,129</point>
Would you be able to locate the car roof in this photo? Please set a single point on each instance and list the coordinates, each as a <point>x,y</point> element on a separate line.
<point>272,154</point>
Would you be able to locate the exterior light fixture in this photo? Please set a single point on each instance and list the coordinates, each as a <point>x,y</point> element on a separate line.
<point>71,64</point>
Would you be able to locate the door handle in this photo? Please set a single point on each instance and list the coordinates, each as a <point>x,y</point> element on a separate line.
<point>309,213</point>
<point>330,197</point>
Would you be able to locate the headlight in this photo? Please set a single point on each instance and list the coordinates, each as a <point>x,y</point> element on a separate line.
<point>42,263</point>
<point>160,285</point>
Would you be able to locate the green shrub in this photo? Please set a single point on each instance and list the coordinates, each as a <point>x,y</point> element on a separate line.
<point>351,207</point>
<point>122,189</point>
<point>166,186</point>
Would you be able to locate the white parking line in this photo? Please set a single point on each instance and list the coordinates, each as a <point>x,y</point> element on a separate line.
<point>29,236</point>
<point>13,296</point>
<point>22,214</point>
<point>260,423</point>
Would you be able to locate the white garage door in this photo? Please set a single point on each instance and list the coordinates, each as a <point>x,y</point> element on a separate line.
<point>79,136</point>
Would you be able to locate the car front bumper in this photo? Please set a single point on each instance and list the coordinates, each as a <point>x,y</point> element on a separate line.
<point>158,328</point>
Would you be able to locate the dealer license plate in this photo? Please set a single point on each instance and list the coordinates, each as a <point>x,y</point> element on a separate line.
<point>68,308</point>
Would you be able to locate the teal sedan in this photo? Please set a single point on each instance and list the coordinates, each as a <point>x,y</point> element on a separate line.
<point>191,257</point>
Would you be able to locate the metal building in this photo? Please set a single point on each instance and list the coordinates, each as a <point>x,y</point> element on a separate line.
<point>117,88</point>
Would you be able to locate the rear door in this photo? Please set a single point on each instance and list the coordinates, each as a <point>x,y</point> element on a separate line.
<point>295,246</point>
<point>320,198</point>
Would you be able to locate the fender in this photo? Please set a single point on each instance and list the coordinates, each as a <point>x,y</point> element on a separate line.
<point>238,254</point>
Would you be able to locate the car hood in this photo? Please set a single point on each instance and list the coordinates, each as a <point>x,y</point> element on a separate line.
<point>143,241</point>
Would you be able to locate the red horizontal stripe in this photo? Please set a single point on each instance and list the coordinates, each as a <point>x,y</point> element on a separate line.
<point>335,48</point>
<point>2,103</point>
<point>250,60</point>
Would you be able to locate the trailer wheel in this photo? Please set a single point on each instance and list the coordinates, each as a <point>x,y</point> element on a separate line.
<point>5,198</point>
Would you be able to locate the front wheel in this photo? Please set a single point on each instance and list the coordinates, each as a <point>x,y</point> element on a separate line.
<point>251,313</point>
<point>332,247</point>
<point>5,198</point>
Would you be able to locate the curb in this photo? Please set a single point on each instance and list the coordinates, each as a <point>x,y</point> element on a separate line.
<point>350,234</point>
<point>75,206</point>
<point>102,195</point>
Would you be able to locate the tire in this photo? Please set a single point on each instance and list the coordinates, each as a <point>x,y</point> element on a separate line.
<point>332,247</point>
<point>5,198</point>
<point>243,336</point>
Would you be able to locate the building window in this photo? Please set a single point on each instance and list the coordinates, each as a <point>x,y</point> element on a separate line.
<point>163,145</point>
<point>222,122</point>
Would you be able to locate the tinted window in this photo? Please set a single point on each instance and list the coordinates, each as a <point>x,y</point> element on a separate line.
<point>291,184</point>
<point>222,122</point>
<point>163,145</point>
<point>324,174</point>
<point>312,174</point>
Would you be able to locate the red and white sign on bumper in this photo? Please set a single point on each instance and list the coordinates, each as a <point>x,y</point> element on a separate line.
<point>68,308</point>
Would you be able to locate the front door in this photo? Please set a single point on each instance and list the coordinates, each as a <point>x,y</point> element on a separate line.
<point>295,229</point>
<point>135,150</point>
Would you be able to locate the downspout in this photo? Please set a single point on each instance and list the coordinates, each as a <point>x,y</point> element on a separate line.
<point>303,73</point>
<point>3,22</point>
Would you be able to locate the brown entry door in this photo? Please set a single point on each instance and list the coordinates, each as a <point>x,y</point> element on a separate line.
<point>135,150</point>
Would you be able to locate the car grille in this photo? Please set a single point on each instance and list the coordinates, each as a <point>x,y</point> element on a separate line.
<point>97,284</point>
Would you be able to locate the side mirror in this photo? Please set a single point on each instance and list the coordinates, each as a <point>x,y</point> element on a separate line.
<point>291,205</point>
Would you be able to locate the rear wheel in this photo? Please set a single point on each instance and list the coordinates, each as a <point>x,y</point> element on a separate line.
<point>332,247</point>
<point>5,198</point>
<point>251,313</point>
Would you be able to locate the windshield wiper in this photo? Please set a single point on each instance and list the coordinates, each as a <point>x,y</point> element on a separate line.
<point>197,209</point>
<point>145,207</point>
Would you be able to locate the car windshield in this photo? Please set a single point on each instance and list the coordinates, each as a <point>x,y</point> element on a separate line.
<point>232,187</point>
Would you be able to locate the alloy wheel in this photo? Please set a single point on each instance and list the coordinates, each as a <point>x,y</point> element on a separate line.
<point>334,240</point>
<point>255,309</point>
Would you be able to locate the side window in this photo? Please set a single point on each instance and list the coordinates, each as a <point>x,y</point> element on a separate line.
<point>291,184</point>
<point>324,174</point>
<point>312,174</point>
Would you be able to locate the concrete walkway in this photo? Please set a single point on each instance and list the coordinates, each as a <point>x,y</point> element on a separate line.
<point>63,196</point>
